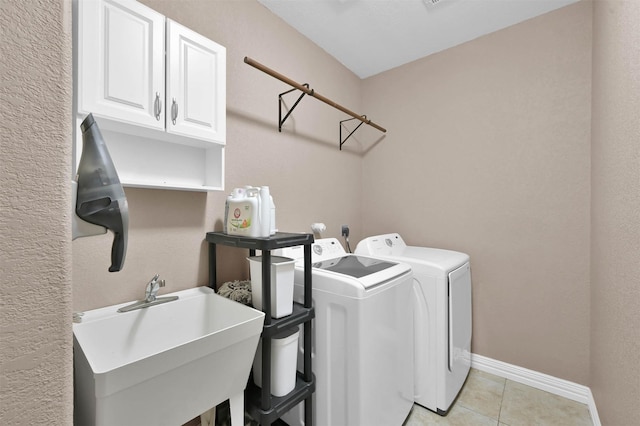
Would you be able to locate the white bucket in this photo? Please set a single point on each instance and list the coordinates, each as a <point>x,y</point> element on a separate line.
<point>282,270</point>
<point>284,347</point>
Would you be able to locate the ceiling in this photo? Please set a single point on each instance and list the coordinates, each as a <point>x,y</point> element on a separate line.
<point>372,36</point>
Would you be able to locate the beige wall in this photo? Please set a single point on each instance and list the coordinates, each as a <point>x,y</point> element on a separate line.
<point>35,262</point>
<point>511,108</point>
<point>615,204</point>
<point>310,179</point>
<point>488,154</point>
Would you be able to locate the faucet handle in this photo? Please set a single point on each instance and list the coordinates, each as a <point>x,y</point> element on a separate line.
<point>152,288</point>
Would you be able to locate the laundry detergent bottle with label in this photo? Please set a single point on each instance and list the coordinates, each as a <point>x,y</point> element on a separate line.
<point>243,212</point>
<point>234,194</point>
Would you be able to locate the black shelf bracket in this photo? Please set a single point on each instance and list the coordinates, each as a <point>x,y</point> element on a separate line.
<point>342,141</point>
<point>280,102</point>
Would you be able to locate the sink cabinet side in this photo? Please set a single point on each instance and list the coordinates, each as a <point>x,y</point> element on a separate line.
<point>84,401</point>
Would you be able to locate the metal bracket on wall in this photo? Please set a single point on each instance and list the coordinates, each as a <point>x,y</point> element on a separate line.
<point>280,101</point>
<point>352,132</point>
<point>304,88</point>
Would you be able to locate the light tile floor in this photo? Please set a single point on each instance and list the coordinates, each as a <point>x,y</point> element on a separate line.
<point>486,399</point>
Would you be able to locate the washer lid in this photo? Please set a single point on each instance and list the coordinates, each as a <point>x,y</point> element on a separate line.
<point>355,266</point>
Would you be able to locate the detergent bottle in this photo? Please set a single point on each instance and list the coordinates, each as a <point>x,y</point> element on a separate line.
<point>272,227</point>
<point>243,212</point>
<point>236,193</point>
<point>265,211</point>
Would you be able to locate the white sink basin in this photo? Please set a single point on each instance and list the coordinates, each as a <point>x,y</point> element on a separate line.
<point>165,364</point>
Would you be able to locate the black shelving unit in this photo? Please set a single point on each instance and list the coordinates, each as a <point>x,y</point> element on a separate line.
<point>262,406</point>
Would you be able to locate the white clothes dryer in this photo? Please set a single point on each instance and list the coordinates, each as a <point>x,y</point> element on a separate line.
<point>442,316</point>
<point>362,342</point>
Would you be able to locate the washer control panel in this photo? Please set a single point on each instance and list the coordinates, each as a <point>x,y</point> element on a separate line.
<point>381,245</point>
<point>327,248</point>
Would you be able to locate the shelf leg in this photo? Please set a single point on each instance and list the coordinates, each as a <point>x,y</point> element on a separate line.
<point>308,411</point>
<point>266,341</point>
<point>236,406</point>
<point>212,266</point>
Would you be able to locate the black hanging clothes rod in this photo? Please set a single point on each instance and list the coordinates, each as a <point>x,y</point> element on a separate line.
<point>304,88</point>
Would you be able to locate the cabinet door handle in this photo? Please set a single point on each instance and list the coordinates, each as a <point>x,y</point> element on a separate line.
<point>174,111</point>
<point>157,106</point>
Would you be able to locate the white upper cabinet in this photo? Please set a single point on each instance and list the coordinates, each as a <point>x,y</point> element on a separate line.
<point>123,74</point>
<point>196,86</point>
<point>121,71</point>
<point>157,91</point>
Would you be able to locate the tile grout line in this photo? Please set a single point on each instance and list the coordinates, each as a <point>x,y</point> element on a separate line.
<point>504,387</point>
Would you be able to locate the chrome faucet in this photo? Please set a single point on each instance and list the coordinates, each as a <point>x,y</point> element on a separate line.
<point>150,296</point>
<point>152,288</point>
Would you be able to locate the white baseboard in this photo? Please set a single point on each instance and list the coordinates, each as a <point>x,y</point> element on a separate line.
<point>554,385</point>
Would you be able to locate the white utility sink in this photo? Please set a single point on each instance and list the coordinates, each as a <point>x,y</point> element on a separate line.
<point>165,364</point>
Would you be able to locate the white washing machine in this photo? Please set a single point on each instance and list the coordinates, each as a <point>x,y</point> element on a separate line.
<point>362,343</point>
<point>442,316</point>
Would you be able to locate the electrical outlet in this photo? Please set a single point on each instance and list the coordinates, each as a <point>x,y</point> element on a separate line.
<point>345,230</point>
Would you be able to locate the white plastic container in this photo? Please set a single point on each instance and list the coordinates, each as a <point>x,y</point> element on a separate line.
<point>272,228</point>
<point>242,213</point>
<point>265,211</point>
<point>282,270</point>
<point>284,348</point>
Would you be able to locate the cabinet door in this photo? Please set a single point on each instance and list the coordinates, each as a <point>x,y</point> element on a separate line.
<point>196,85</point>
<point>121,70</point>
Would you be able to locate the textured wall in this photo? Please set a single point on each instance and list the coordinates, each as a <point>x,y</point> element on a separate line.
<point>35,285</point>
<point>615,269</point>
<point>488,153</point>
